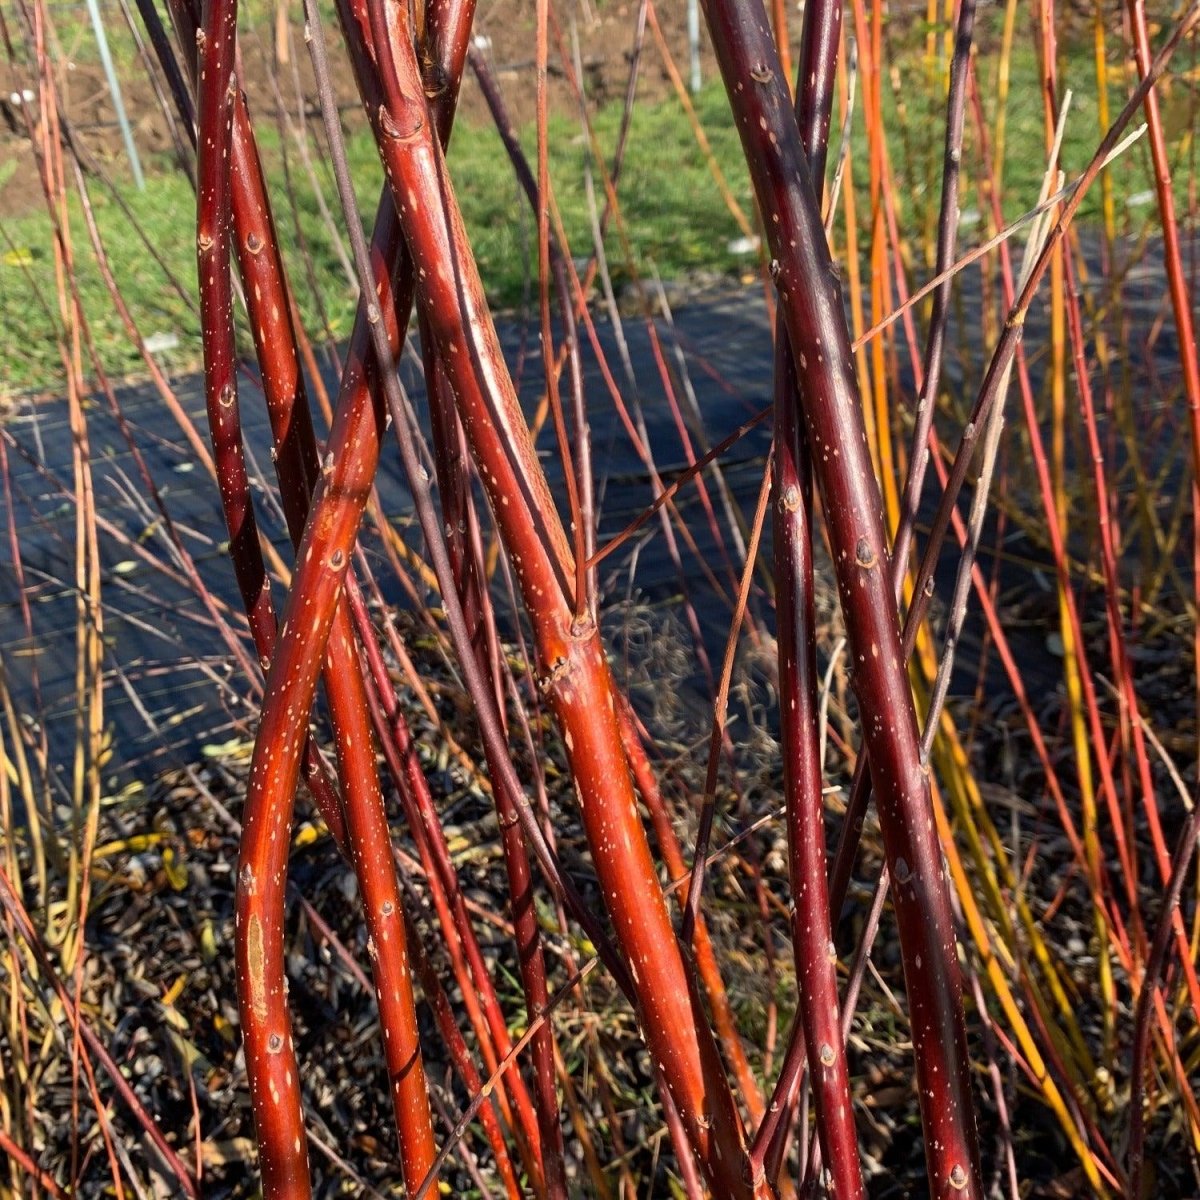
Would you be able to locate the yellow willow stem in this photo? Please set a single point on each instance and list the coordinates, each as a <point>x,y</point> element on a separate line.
<point>14,767</point>
<point>89,721</point>
<point>947,42</point>
<point>877,411</point>
<point>1088,807</point>
<point>1103,117</point>
<point>1151,535</point>
<point>1074,686</point>
<point>886,466</point>
<point>850,258</point>
<point>995,974</point>
<point>969,804</point>
<point>931,13</point>
<point>869,68</point>
<point>953,768</point>
<point>1003,73</point>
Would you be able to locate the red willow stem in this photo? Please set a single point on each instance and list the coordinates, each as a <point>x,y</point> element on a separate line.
<point>542,217</point>
<point>216,102</point>
<point>1181,304</point>
<point>460,1055</point>
<point>573,669</point>
<point>814,96</point>
<point>820,37</point>
<point>448,26</point>
<point>1155,963</point>
<point>717,737</point>
<point>812,933</point>
<point>530,957</point>
<point>170,67</point>
<point>1003,355</point>
<point>811,303</point>
<point>1119,651</point>
<point>270,310</point>
<point>187,563</point>
<point>535,1132</point>
<point>404,420</point>
<point>572,71</point>
<point>459,939</point>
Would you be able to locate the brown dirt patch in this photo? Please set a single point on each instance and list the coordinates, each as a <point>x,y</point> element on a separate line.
<point>605,33</point>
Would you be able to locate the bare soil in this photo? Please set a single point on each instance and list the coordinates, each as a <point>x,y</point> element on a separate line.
<point>605,32</point>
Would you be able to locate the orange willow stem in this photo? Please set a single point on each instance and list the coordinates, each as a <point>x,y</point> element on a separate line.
<point>37,1176</point>
<point>369,837</point>
<point>811,303</point>
<point>270,1058</point>
<point>540,1137</point>
<point>573,669</point>
<point>296,464</point>
<point>443,56</point>
<point>707,964</point>
<point>464,544</point>
<point>353,451</point>
<point>404,419</point>
<point>466,558</point>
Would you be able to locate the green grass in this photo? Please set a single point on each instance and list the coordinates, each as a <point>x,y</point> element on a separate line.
<point>676,219</point>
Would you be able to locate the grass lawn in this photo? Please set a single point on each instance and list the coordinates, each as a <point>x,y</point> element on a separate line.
<point>675,217</point>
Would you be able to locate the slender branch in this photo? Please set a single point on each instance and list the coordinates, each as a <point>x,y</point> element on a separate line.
<point>810,301</point>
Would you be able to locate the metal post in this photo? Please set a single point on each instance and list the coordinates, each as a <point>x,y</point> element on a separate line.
<point>115,91</point>
<point>693,21</point>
